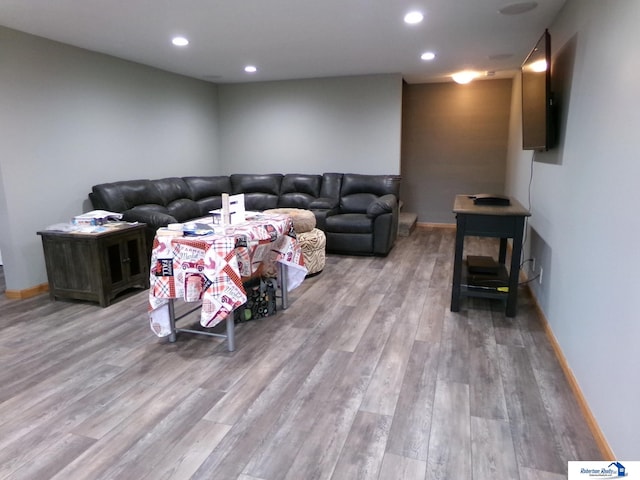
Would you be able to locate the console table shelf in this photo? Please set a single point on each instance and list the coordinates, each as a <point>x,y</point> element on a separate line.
<point>480,285</point>
<point>96,266</point>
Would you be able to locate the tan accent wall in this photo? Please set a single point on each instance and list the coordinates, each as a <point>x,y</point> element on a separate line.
<point>454,140</point>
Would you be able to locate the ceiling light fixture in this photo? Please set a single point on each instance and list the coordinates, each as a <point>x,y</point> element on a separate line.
<point>413,17</point>
<point>518,8</point>
<point>250,69</point>
<point>428,56</point>
<point>465,76</point>
<point>180,41</point>
<point>538,66</point>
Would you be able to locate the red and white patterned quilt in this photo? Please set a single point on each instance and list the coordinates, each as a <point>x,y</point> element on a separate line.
<point>210,268</point>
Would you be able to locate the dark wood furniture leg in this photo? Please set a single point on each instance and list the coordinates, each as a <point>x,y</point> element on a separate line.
<point>457,263</point>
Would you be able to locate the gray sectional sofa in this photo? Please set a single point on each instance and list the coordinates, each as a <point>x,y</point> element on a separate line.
<point>358,213</point>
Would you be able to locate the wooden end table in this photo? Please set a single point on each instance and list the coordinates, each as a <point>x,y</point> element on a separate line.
<point>96,266</point>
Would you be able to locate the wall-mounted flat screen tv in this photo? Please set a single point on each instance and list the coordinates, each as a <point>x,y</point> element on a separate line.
<point>538,123</point>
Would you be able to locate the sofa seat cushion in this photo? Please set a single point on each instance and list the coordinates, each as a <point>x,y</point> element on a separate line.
<point>150,207</point>
<point>303,220</point>
<point>184,209</point>
<point>349,223</point>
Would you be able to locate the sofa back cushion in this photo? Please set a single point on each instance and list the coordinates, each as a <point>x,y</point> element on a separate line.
<point>331,183</point>
<point>176,198</point>
<point>359,191</point>
<point>261,192</point>
<point>207,191</point>
<point>124,195</point>
<point>299,190</point>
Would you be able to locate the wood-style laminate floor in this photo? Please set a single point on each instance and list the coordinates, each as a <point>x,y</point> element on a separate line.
<point>367,375</point>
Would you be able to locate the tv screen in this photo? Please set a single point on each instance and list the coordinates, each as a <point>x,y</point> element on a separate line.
<point>537,99</point>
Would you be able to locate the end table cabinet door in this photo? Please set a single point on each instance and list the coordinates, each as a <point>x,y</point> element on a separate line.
<point>70,266</point>
<point>125,263</point>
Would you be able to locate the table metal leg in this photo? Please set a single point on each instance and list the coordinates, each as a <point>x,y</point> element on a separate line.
<point>230,331</point>
<point>231,337</point>
<point>283,280</point>
<point>172,321</point>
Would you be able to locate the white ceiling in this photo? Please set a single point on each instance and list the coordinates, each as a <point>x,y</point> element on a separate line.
<point>292,39</point>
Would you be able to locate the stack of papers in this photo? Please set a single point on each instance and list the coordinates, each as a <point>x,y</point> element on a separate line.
<point>96,217</point>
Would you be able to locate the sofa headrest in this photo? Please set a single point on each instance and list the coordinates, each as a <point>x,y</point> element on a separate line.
<point>171,189</point>
<point>374,184</point>
<point>301,183</point>
<point>205,187</point>
<point>299,190</point>
<point>259,183</point>
<point>331,183</point>
<point>123,195</point>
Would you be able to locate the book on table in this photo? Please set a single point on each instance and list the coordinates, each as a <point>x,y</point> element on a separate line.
<point>96,217</point>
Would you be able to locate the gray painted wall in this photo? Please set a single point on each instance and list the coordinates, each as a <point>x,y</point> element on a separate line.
<point>584,196</point>
<point>71,118</point>
<point>347,124</point>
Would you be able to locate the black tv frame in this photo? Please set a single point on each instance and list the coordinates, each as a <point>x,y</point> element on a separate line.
<point>538,112</point>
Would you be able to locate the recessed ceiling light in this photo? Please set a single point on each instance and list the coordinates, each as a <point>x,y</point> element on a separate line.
<point>250,69</point>
<point>518,8</point>
<point>180,41</point>
<point>413,17</point>
<point>428,56</point>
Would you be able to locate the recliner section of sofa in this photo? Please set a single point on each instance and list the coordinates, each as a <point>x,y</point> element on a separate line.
<point>367,218</point>
<point>358,213</point>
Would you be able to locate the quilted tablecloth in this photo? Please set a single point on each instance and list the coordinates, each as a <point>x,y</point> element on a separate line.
<point>210,268</point>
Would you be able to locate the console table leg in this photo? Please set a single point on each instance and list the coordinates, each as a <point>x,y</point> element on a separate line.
<point>502,253</point>
<point>457,264</point>
<point>514,271</point>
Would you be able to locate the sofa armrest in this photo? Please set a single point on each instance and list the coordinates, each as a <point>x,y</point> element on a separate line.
<point>384,204</point>
<point>323,203</point>
<point>153,219</point>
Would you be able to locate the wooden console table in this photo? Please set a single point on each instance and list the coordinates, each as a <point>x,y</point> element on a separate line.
<point>96,266</point>
<point>503,222</point>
